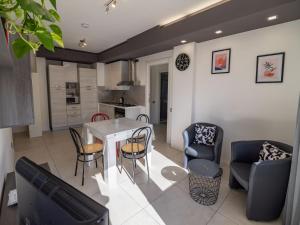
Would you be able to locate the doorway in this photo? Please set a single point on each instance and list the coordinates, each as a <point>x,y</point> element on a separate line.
<point>159,99</point>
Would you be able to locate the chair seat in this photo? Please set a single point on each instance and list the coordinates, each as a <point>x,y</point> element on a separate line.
<point>92,148</point>
<point>200,151</point>
<point>133,148</point>
<point>241,172</point>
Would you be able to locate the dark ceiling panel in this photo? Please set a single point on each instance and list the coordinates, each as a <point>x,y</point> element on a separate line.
<point>70,55</point>
<point>233,17</point>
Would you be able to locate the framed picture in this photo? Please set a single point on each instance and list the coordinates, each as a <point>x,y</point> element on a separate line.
<point>220,61</point>
<point>270,68</point>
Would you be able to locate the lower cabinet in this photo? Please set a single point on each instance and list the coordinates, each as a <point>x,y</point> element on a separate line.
<point>74,115</point>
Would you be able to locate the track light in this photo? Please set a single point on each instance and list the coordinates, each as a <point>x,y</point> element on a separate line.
<point>110,4</point>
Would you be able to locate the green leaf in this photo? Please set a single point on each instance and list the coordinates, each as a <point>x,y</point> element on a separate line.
<point>54,14</point>
<point>56,29</point>
<point>31,24</point>
<point>19,13</point>
<point>57,39</point>
<point>53,3</point>
<point>20,47</point>
<point>36,8</point>
<point>45,37</point>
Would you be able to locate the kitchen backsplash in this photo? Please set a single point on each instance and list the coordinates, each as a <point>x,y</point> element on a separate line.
<point>135,95</point>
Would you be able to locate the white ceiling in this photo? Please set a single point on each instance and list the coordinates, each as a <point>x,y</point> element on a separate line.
<point>128,19</point>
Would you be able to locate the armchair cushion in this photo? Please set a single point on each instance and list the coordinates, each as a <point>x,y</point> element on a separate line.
<point>200,151</point>
<point>204,134</point>
<point>272,152</point>
<point>241,172</point>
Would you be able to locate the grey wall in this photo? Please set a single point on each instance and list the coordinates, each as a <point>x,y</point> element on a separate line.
<point>135,95</point>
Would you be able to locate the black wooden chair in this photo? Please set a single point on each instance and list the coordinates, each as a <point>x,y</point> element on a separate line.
<point>83,151</point>
<point>136,148</point>
<point>143,117</point>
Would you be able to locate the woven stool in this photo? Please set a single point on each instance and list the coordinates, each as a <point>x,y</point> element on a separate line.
<point>204,181</point>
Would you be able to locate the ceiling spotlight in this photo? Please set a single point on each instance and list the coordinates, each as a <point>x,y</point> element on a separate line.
<point>114,4</point>
<point>85,25</point>
<point>110,4</point>
<point>270,18</point>
<point>183,41</point>
<point>218,32</point>
<point>82,43</point>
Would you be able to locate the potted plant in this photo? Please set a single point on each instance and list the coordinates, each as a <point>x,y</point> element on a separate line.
<point>33,22</point>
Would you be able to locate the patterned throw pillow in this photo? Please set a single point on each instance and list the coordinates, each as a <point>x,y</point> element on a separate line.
<point>204,135</point>
<point>271,152</point>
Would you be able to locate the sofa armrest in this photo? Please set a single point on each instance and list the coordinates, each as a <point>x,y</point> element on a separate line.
<point>188,135</point>
<point>218,145</point>
<point>246,151</point>
<point>267,183</point>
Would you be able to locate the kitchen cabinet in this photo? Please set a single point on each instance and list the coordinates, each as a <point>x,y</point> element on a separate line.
<point>115,73</point>
<point>100,74</point>
<point>88,93</point>
<point>74,114</point>
<point>57,90</point>
<point>70,72</point>
<point>16,105</point>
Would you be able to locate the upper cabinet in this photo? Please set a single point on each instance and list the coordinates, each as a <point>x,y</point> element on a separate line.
<point>70,71</point>
<point>16,106</point>
<point>115,73</point>
<point>100,74</point>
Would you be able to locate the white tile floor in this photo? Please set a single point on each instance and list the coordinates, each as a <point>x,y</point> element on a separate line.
<point>162,201</point>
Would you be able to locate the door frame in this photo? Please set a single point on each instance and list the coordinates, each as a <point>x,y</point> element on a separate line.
<point>167,60</point>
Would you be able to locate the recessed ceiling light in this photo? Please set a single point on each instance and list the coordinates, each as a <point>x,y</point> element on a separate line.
<point>270,18</point>
<point>85,25</point>
<point>183,41</point>
<point>218,32</point>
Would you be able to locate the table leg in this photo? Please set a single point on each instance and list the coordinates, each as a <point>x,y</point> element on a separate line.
<point>149,152</point>
<point>110,168</point>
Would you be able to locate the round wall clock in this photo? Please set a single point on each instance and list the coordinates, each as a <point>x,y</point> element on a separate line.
<point>182,62</point>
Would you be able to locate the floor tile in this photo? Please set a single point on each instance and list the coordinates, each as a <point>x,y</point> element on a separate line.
<point>234,208</point>
<point>142,218</point>
<point>218,219</point>
<point>176,207</point>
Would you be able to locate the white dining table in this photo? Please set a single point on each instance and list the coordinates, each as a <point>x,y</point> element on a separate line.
<point>111,132</point>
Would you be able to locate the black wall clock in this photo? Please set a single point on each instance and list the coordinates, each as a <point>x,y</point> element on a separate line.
<point>182,62</point>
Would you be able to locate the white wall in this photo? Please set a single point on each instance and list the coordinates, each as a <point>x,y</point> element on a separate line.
<point>155,83</point>
<point>234,101</point>
<point>41,70</point>
<point>6,154</point>
<point>182,94</point>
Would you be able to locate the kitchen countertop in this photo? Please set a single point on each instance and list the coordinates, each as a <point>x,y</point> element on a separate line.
<point>119,106</point>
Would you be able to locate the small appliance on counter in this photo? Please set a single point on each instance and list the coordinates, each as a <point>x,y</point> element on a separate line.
<point>72,93</point>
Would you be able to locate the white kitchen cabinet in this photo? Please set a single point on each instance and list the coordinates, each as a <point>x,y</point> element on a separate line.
<point>88,93</point>
<point>100,74</point>
<point>70,72</point>
<point>58,103</point>
<point>74,114</point>
<point>107,109</point>
<point>56,77</point>
<point>115,73</point>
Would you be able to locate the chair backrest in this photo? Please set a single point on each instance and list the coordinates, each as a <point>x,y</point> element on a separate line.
<point>76,139</point>
<point>99,116</point>
<point>143,117</point>
<point>143,135</point>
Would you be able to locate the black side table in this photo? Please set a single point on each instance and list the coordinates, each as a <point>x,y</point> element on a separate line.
<point>204,181</point>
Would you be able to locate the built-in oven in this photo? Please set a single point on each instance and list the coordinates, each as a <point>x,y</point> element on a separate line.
<point>119,112</point>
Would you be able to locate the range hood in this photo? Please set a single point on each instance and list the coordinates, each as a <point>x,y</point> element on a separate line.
<point>128,80</point>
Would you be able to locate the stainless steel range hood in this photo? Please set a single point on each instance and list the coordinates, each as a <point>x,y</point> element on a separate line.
<point>129,79</point>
